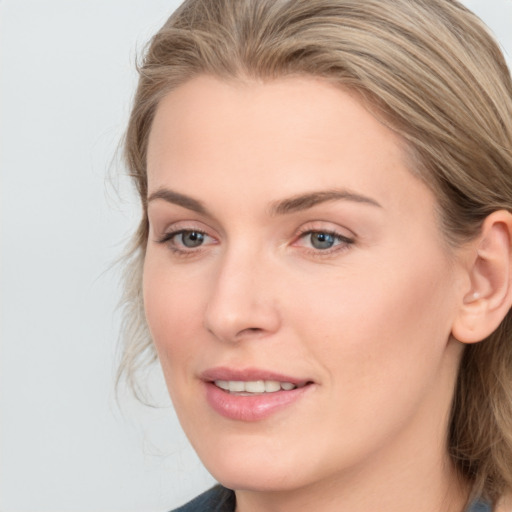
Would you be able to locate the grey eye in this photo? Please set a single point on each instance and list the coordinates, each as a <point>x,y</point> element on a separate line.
<point>191,239</point>
<point>322,240</point>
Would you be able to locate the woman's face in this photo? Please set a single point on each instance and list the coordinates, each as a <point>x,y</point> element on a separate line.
<point>291,247</point>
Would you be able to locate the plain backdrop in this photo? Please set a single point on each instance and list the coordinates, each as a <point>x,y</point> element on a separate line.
<point>66,81</point>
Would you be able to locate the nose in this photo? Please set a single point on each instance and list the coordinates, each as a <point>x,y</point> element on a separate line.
<point>243,303</point>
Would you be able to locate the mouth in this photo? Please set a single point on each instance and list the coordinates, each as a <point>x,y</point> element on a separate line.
<point>255,387</point>
<point>252,395</point>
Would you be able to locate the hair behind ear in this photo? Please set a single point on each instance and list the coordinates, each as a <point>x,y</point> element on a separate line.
<point>480,433</point>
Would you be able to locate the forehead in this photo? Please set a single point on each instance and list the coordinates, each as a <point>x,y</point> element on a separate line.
<point>287,123</point>
<point>253,143</point>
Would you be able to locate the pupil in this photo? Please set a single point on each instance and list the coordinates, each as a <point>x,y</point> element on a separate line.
<point>192,239</point>
<point>322,240</point>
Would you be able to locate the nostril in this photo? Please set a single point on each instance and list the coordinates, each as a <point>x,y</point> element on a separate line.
<point>250,330</point>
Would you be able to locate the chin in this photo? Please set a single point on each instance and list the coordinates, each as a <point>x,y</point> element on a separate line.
<point>255,479</point>
<point>249,466</point>
<point>246,470</point>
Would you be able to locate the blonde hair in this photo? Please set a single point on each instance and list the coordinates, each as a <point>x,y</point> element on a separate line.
<point>427,68</point>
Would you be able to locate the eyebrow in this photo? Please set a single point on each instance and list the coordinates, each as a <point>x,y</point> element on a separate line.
<point>179,199</point>
<point>305,201</point>
<point>293,204</point>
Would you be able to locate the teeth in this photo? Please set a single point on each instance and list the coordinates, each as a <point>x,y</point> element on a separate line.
<point>222,384</point>
<point>257,386</point>
<point>236,386</point>
<point>254,386</point>
<point>271,386</point>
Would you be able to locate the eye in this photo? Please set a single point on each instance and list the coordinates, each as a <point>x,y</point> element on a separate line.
<point>324,241</point>
<point>190,239</point>
<point>186,240</point>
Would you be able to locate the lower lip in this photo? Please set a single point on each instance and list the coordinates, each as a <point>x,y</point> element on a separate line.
<point>251,408</point>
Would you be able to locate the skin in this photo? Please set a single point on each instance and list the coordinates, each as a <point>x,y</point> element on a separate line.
<point>367,321</point>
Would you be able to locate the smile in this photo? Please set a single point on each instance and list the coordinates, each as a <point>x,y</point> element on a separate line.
<point>253,387</point>
<point>252,394</point>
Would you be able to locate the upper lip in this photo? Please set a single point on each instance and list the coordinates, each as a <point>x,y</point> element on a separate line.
<point>248,374</point>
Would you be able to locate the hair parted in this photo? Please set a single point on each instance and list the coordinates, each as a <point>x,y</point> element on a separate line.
<point>429,70</point>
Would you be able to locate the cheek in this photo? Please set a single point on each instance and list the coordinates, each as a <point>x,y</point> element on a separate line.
<point>173,312</point>
<point>388,325</point>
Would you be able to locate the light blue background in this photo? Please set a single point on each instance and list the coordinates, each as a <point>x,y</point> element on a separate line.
<point>67,77</point>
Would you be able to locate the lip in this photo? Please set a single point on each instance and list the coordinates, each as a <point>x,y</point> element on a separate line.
<point>251,408</point>
<point>225,373</point>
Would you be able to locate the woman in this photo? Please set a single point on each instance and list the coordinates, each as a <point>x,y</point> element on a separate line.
<point>323,264</point>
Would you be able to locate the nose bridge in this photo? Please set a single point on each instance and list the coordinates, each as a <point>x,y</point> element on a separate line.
<point>242,301</point>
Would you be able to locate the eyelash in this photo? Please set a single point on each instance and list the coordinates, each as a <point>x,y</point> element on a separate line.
<point>168,239</point>
<point>343,242</point>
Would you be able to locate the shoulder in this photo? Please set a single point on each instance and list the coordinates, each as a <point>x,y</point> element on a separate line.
<point>504,504</point>
<point>479,506</point>
<point>217,499</point>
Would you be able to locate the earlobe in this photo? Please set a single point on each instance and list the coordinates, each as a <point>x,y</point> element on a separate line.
<point>489,298</point>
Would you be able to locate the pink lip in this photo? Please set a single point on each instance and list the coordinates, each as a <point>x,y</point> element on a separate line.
<point>224,373</point>
<point>250,408</point>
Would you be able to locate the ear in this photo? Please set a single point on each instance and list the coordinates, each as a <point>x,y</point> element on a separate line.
<point>489,298</point>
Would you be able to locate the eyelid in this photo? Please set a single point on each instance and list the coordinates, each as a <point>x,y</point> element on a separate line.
<point>345,237</point>
<point>162,229</point>
<point>169,233</point>
<point>335,234</point>
<point>318,226</point>
<point>179,250</point>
